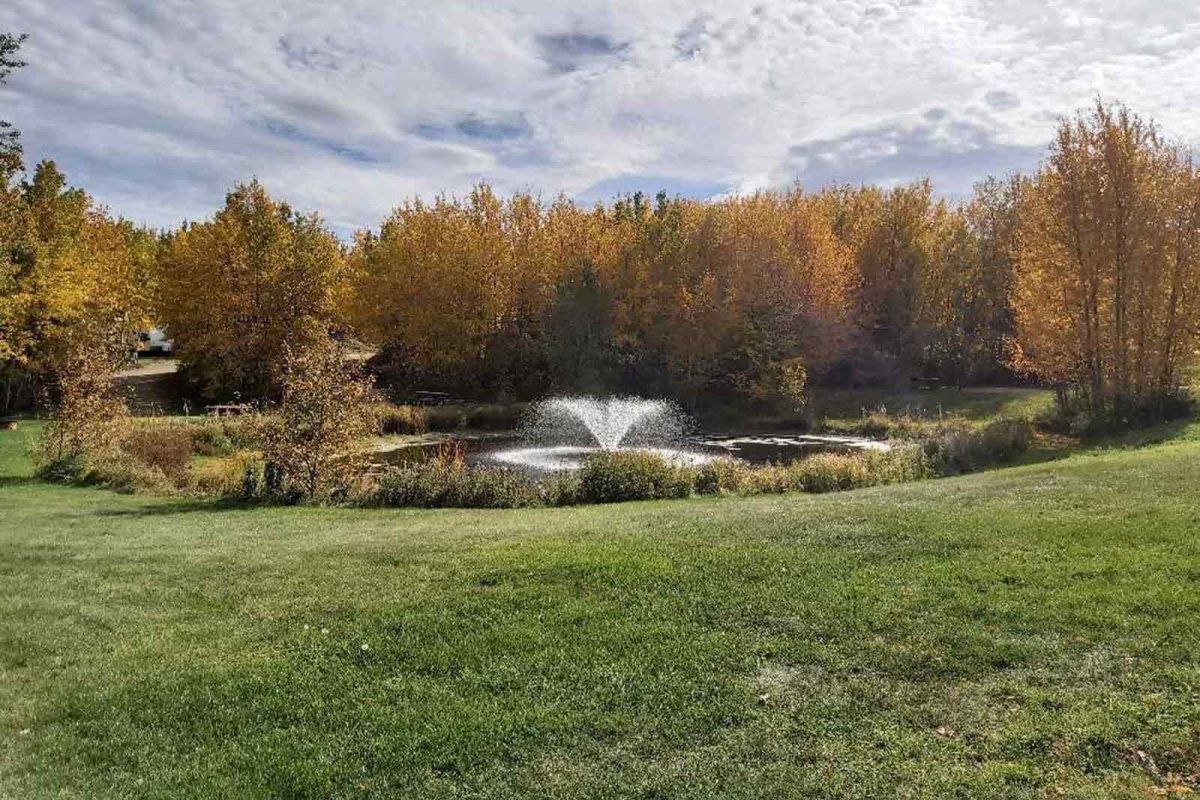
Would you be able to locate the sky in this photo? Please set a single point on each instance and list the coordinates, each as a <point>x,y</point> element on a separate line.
<point>157,107</point>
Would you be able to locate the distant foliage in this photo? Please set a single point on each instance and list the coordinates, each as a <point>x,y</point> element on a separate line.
<point>1108,267</point>
<point>491,297</point>
<point>236,289</point>
<point>702,301</point>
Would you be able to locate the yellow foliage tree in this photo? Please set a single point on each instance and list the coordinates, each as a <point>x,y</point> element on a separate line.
<point>65,265</point>
<point>314,442</point>
<point>1108,264</point>
<point>236,289</point>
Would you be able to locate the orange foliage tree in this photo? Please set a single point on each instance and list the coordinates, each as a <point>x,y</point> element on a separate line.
<point>1108,265</point>
<point>488,296</point>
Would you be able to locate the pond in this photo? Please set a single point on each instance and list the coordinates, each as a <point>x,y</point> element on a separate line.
<point>527,454</point>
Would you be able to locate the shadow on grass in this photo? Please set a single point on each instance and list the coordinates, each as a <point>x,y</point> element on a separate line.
<point>10,481</point>
<point>1050,446</point>
<point>1163,432</point>
<point>185,506</point>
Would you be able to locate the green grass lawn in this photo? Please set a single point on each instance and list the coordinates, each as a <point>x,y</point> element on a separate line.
<point>973,403</point>
<point>1031,632</point>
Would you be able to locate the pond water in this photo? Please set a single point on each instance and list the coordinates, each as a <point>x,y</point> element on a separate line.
<point>528,455</point>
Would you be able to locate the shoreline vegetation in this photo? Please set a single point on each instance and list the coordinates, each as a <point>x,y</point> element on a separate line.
<point>221,458</point>
<point>933,434</point>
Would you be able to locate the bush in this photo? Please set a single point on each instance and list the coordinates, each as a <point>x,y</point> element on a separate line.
<point>121,472</point>
<point>225,476</point>
<point>723,476</point>
<point>446,480</point>
<point>613,477</point>
<point>315,442</point>
<point>880,424</point>
<point>165,447</point>
<point>395,419</point>
<point>1070,418</point>
<point>826,472</point>
<point>67,468</point>
<point>222,436</point>
<point>90,416</point>
<point>965,449</point>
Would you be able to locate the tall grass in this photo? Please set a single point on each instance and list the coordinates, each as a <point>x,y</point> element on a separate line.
<point>446,480</point>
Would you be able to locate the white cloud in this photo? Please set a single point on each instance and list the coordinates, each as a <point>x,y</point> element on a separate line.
<point>158,106</point>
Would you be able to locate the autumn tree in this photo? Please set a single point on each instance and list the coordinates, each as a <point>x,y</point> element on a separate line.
<point>1108,265</point>
<point>65,265</point>
<point>457,293</point>
<point>932,279</point>
<point>89,412</point>
<point>313,441</point>
<point>989,322</point>
<point>236,289</point>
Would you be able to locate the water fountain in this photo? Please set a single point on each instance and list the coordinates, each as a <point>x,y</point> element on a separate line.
<point>566,430</point>
<point>562,432</point>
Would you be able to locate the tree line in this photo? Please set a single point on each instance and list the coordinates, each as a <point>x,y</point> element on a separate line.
<point>1085,275</point>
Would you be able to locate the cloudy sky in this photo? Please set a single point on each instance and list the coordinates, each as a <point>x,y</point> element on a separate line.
<point>347,107</point>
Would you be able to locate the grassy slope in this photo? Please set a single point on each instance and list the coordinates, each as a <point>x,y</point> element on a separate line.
<point>976,403</point>
<point>1007,634</point>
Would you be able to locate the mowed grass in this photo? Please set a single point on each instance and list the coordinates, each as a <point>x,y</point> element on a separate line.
<point>1032,632</point>
<point>972,403</point>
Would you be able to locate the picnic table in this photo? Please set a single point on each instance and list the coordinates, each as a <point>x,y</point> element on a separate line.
<point>229,409</point>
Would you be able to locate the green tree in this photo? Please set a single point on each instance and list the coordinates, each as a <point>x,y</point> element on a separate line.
<point>10,137</point>
<point>582,355</point>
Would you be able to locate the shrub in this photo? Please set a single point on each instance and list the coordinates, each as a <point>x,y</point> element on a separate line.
<point>446,480</point>
<point>122,472</point>
<point>833,472</point>
<point>327,409</point>
<point>395,419</point>
<point>402,419</point>
<point>1073,419</point>
<point>484,417</point>
<point>965,449</point>
<point>68,467</point>
<point>613,477</point>
<point>222,436</point>
<point>880,424</point>
<point>818,473</point>
<point>723,475</point>
<point>226,476</point>
<point>165,447</point>
<point>90,417</point>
